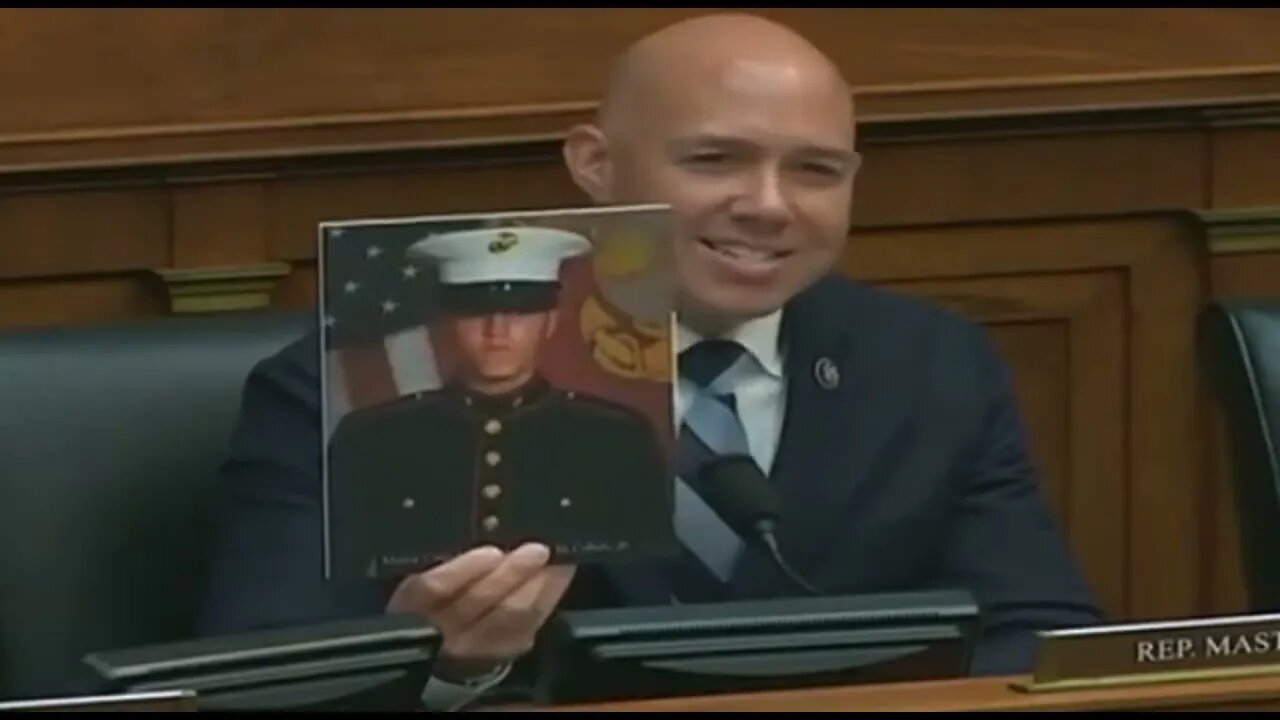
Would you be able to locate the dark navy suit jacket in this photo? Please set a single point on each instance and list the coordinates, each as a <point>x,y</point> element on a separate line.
<point>913,472</point>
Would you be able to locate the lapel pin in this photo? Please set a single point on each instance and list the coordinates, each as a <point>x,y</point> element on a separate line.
<point>826,373</point>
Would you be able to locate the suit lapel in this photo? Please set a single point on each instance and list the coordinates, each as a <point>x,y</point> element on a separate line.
<point>831,428</point>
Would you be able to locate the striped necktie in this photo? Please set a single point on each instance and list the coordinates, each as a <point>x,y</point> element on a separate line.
<point>710,429</point>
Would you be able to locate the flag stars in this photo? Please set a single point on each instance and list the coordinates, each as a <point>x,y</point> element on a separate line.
<point>330,321</point>
<point>389,306</point>
<point>351,287</point>
<point>372,251</point>
<point>410,272</point>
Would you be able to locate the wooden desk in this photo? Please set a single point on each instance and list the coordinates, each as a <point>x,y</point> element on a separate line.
<point>972,694</point>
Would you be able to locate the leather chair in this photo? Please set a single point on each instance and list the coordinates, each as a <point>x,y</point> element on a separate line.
<point>110,442</point>
<point>1240,350</point>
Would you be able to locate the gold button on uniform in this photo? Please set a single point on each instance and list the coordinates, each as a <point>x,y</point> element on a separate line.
<point>493,457</point>
<point>492,491</point>
<point>565,502</point>
<point>408,503</point>
<point>493,427</point>
<point>491,523</point>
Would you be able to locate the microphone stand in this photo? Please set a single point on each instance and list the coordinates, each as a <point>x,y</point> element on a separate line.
<point>764,533</point>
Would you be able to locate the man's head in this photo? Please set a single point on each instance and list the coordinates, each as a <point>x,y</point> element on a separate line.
<point>747,131</point>
<point>499,290</point>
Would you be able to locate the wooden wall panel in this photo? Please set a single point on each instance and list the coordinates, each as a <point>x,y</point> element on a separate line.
<point>44,234</point>
<point>296,206</point>
<point>1246,274</point>
<point>1039,357</point>
<point>219,224</point>
<point>1056,173</point>
<point>1106,298</point>
<point>1064,336</point>
<point>81,301</point>
<point>104,87</point>
<point>1036,170</point>
<point>1248,174</point>
<point>298,290</point>
<point>112,69</point>
<point>1166,428</point>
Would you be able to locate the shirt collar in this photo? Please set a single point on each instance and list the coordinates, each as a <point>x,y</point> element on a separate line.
<point>758,335</point>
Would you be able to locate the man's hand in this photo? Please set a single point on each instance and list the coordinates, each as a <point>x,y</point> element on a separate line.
<point>488,606</point>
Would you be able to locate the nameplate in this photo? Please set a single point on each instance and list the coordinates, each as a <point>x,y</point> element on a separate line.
<point>1169,651</point>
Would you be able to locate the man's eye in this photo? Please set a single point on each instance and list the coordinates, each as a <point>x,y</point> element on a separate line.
<point>822,169</point>
<point>708,156</point>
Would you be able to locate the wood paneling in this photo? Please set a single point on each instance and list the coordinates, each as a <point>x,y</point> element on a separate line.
<point>1053,174</point>
<point>1065,342</point>
<point>1254,274</point>
<point>1094,317</point>
<point>72,302</point>
<point>1030,169</point>
<point>298,205</point>
<point>112,69</point>
<point>95,87</point>
<point>69,233</point>
<point>298,291</point>
<point>1248,174</point>
<point>219,224</point>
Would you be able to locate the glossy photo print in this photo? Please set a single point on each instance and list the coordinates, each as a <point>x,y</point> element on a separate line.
<point>496,379</point>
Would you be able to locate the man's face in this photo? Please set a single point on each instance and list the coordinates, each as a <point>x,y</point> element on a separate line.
<point>499,352</point>
<point>758,166</point>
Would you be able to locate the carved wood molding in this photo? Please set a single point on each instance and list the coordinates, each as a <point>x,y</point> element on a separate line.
<point>221,289</point>
<point>1237,232</point>
<point>1003,106</point>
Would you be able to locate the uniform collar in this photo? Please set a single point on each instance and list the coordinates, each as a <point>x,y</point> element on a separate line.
<point>760,336</point>
<point>524,396</point>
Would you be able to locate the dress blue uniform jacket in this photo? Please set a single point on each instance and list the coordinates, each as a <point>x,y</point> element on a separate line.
<point>912,472</point>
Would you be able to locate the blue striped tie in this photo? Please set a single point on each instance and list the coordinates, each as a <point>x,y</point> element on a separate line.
<point>710,429</point>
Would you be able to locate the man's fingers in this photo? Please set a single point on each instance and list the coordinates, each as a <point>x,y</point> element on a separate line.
<point>524,600</point>
<point>426,591</point>
<point>482,596</point>
<point>524,610</point>
<point>449,578</point>
<point>509,628</point>
<point>557,582</point>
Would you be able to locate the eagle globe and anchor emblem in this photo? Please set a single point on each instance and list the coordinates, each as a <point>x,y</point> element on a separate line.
<point>504,242</point>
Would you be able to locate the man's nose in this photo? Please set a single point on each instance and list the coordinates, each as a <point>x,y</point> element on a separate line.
<point>765,201</point>
<point>495,324</point>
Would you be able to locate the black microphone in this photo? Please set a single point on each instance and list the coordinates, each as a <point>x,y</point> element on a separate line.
<point>737,490</point>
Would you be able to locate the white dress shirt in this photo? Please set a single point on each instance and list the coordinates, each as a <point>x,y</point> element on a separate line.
<point>759,389</point>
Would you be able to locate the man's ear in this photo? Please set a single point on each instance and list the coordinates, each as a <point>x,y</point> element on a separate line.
<point>586,155</point>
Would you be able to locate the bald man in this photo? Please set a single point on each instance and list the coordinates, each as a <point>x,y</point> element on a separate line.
<point>888,427</point>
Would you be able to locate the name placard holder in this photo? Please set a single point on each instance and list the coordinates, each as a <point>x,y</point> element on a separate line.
<point>1156,652</point>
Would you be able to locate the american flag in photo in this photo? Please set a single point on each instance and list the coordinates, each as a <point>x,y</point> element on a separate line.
<point>376,307</point>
